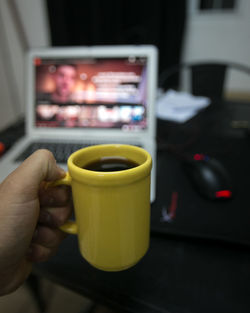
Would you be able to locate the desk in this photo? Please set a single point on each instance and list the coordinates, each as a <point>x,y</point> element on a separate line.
<point>181,272</point>
<point>174,276</point>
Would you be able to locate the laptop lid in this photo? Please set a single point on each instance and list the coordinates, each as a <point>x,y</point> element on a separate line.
<point>101,92</point>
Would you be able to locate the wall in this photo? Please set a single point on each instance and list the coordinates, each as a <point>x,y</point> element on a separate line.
<point>23,24</point>
<point>222,37</point>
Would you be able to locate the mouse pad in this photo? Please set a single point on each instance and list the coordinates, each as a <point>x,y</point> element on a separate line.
<point>180,210</point>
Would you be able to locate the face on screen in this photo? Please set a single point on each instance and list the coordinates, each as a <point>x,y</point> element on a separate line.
<point>65,80</point>
<point>94,93</point>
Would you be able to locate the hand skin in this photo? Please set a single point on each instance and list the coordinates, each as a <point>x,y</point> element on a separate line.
<point>29,217</point>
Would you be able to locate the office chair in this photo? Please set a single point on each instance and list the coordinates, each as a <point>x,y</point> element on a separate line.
<point>207,78</point>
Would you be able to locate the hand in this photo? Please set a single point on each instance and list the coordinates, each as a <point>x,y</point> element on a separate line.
<point>29,217</point>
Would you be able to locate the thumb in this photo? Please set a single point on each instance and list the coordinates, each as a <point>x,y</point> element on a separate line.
<point>40,166</point>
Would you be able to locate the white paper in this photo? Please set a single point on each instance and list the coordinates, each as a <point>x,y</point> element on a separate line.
<point>179,106</point>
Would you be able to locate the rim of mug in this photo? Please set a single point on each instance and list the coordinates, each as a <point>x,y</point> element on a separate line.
<point>110,178</point>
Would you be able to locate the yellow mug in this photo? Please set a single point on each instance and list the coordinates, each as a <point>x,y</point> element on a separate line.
<point>112,208</point>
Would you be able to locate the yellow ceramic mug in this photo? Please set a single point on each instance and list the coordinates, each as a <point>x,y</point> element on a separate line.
<point>112,208</point>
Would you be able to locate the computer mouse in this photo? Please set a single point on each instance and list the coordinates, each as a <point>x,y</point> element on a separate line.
<point>209,177</point>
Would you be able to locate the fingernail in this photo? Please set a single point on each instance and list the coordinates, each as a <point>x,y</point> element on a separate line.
<point>45,217</point>
<point>51,200</point>
<point>62,172</point>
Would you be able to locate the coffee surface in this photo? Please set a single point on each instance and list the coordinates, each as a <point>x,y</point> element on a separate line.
<point>110,164</point>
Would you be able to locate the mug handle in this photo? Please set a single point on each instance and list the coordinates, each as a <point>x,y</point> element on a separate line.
<point>69,227</point>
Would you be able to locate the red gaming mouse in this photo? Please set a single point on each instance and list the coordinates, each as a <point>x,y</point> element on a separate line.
<point>209,177</point>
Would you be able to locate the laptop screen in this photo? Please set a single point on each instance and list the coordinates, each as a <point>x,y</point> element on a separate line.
<point>91,93</point>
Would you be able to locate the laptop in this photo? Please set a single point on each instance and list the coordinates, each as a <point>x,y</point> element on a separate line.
<point>80,96</point>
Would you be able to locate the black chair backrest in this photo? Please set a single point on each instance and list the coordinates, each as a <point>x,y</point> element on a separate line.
<point>207,78</point>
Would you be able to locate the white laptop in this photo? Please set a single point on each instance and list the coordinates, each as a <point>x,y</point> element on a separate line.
<point>88,95</point>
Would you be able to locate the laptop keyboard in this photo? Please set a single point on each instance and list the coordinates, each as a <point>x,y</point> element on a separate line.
<point>61,151</point>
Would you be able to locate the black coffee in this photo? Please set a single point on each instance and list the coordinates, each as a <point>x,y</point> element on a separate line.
<point>110,164</point>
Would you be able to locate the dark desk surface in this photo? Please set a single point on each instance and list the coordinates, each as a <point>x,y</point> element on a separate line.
<point>175,276</point>
<point>209,133</point>
<point>200,262</point>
